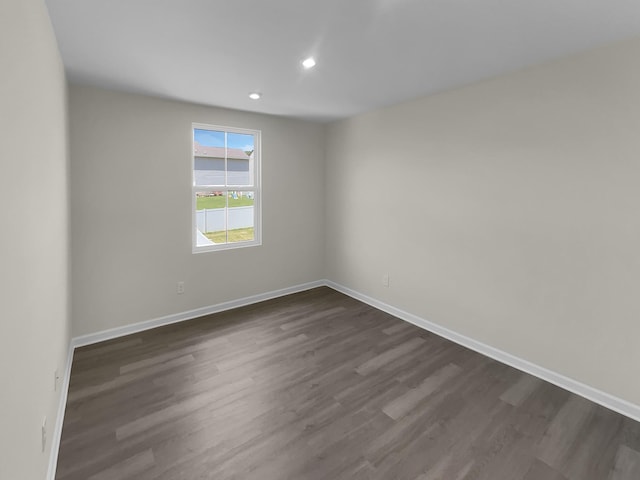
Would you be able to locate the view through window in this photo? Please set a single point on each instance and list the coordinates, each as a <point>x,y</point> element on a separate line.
<point>226,187</point>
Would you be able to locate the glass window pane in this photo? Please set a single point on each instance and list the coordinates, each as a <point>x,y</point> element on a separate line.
<point>208,138</point>
<point>240,217</point>
<point>209,154</point>
<point>211,218</point>
<point>224,217</point>
<point>240,158</point>
<point>225,177</point>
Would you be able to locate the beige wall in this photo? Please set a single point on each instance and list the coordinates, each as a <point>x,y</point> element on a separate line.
<point>131,210</point>
<point>34,324</point>
<point>519,223</point>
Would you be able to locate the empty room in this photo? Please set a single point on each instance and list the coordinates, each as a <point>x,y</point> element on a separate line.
<point>285,239</point>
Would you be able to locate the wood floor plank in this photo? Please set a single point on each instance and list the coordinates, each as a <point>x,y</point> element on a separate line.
<point>565,430</point>
<point>521,390</point>
<point>128,468</point>
<point>389,355</point>
<point>595,451</point>
<point>627,464</point>
<point>407,402</point>
<point>317,385</point>
<point>541,471</point>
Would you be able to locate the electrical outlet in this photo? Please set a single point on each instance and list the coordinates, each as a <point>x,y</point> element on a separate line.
<point>385,280</point>
<point>56,380</point>
<point>44,433</point>
<point>180,288</point>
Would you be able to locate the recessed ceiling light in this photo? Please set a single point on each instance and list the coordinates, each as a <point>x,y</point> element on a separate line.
<point>255,95</point>
<point>309,63</point>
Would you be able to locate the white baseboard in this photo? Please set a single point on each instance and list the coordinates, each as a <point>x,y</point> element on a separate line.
<point>611,402</point>
<point>62,406</point>
<point>139,327</point>
<point>103,335</point>
<point>606,400</point>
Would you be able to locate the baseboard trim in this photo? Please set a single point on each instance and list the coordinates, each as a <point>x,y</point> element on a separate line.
<point>597,396</point>
<point>62,407</point>
<point>112,333</point>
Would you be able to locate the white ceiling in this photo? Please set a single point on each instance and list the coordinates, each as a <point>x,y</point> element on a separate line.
<point>370,53</point>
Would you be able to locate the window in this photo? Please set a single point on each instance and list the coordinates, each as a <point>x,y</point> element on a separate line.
<point>226,188</point>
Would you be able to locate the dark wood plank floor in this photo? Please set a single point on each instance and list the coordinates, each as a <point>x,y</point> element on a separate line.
<point>319,386</point>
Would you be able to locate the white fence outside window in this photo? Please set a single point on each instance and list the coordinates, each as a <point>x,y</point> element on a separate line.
<point>215,219</point>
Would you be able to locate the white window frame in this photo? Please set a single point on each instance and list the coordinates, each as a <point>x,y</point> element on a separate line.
<point>256,188</point>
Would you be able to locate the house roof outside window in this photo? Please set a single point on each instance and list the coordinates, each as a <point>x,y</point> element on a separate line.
<point>218,152</point>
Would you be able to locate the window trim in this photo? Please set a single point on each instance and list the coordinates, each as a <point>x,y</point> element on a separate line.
<point>256,187</point>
